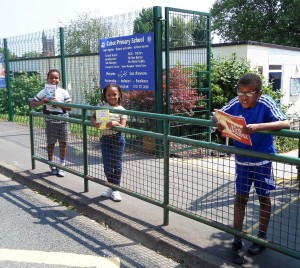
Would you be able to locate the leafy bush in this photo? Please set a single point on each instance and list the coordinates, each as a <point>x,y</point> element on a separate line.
<point>183,98</point>
<point>92,96</point>
<point>23,86</point>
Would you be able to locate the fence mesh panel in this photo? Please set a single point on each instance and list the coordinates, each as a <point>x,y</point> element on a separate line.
<point>201,180</point>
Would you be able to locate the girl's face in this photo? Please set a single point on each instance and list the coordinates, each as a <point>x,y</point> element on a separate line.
<point>112,96</point>
<point>53,78</point>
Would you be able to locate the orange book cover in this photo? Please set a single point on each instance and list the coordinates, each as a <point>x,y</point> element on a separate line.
<point>233,127</point>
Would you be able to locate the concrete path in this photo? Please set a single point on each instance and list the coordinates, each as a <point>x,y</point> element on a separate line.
<point>196,244</point>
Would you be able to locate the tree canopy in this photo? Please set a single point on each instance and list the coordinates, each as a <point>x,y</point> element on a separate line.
<point>183,31</point>
<point>82,35</point>
<point>269,21</point>
<point>144,23</point>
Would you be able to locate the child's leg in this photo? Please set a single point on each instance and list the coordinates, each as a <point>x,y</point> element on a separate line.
<point>240,204</point>
<point>62,149</point>
<point>243,186</point>
<point>264,183</point>
<point>51,139</point>
<point>62,139</point>
<point>50,148</point>
<point>119,148</point>
<point>106,149</point>
<point>264,213</point>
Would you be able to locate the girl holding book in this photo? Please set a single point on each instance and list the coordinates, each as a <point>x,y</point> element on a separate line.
<point>112,142</point>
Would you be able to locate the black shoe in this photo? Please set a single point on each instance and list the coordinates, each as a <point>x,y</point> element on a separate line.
<point>237,253</point>
<point>256,249</point>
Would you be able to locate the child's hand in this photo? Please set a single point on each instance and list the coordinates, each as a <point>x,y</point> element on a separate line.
<point>45,100</point>
<point>249,129</point>
<point>111,124</point>
<point>220,127</point>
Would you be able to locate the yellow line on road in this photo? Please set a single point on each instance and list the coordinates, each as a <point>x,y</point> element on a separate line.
<point>277,211</point>
<point>58,258</point>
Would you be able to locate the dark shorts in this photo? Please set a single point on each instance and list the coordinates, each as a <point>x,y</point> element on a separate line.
<point>56,131</point>
<point>262,177</point>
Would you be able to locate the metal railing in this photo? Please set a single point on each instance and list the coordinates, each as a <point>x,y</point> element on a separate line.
<point>195,183</point>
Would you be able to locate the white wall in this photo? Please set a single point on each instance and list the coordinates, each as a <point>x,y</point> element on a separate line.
<point>260,55</point>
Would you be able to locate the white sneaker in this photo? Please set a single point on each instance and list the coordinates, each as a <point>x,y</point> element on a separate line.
<point>115,196</point>
<point>107,192</point>
<point>53,170</point>
<point>60,173</point>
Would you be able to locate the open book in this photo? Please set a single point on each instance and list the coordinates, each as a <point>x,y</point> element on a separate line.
<point>233,127</point>
<point>102,117</point>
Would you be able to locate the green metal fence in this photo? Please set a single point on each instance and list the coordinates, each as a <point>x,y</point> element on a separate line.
<point>188,72</point>
<point>195,184</point>
<point>182,64</point>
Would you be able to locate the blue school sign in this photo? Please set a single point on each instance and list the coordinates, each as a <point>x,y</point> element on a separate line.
<point>128,61</point>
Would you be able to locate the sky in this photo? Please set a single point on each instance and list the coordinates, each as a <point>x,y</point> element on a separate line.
<point>20,17</point>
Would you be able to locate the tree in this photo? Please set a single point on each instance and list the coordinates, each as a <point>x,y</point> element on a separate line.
<point>180,33</point>
<point>144,23</point>
<point>257,20</point>
<point>31,54</point>
<point>82,35</point>
<point>199,30</point>
<point>3,53</point>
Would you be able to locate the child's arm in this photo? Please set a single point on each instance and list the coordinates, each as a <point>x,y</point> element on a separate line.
<point>64,107</point>
<point>93,121</point>
<point>35,103</point>
<point>277,125</point>
<point>112,124</point>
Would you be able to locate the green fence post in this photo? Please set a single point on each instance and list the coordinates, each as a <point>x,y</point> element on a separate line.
<point>166,171</point>
<point>7,76</point>
<point>298,167</point>
<point>85,154</point>
<point>31,141</point>
<point>157,22</point>
<point>62,58</point>
<point>208,60</point>
<point>167,57</point>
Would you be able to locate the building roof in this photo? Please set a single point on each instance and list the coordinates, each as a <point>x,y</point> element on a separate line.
<point>255,43</point>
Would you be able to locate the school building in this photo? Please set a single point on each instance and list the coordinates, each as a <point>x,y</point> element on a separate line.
<point>280,64</point>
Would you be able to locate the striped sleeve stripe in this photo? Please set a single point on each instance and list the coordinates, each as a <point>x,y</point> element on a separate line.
<point>230,104</point>
<point>271,104</point>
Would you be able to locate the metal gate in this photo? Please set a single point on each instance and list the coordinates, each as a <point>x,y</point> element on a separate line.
<point>186,71</point>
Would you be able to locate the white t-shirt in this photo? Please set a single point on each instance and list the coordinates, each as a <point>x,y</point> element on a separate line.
<point>61,95</point>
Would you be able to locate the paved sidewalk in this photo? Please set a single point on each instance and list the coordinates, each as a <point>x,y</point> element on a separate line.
<point>196,244</point>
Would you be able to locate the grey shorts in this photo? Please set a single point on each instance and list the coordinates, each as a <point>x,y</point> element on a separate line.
<point>56,131</point>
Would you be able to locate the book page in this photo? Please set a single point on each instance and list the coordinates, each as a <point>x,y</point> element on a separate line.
<point>233,127</point>
<point>50,91</point>
<point>102,117</point>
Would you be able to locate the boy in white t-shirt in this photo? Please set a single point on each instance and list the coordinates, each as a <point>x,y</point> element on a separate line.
<point>55,129</point>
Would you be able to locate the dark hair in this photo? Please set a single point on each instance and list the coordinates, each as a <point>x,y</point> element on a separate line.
<point>251,80</point>
<point>53,71</point>
<point>108,86</point>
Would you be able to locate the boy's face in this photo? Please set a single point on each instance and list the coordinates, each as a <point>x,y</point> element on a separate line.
<point>53,78</point>
<point>249,100</point>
